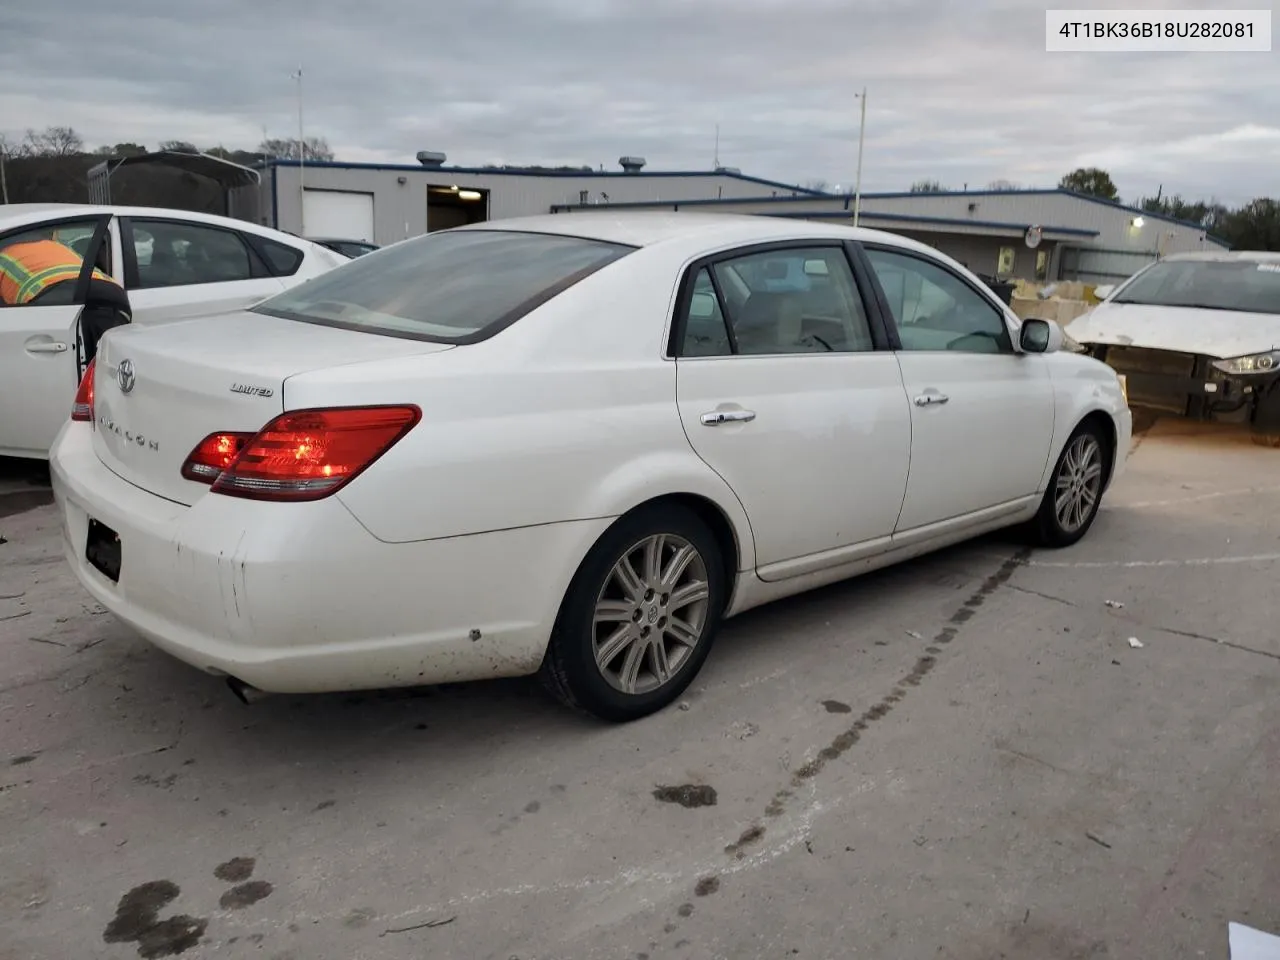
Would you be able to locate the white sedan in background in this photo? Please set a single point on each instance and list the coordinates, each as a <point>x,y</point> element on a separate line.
<point>1196,334</point>
<point>568,445</point>
<point>174,264</point>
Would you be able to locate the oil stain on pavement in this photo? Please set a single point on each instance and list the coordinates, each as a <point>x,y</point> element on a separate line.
<point>687,795</point>
<point>137,920</point>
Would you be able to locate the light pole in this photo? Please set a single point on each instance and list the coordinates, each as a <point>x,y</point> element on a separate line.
<point>862,129</point>
<point>302,161</point>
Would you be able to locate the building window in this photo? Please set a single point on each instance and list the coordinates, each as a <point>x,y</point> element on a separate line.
<point>1004,265</point>
<point>1042,264</point>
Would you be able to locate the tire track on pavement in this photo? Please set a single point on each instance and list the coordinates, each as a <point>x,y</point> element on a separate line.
<point>848,738</point>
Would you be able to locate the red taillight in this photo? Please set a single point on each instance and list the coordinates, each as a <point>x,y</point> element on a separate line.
<point>82,408</point>
<point>213,455</point>
<point>308,454</point>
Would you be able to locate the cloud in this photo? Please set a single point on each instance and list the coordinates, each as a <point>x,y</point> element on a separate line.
<point>962,92</point>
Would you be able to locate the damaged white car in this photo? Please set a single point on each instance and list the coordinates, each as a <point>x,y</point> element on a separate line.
<point>1197,335</point>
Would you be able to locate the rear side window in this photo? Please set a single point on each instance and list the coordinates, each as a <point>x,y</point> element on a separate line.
<point>283,259</point>
<point>455,286</point>
<point>171,253</point>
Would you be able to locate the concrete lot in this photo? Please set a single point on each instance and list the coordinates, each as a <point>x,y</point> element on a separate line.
<point>961,758</point>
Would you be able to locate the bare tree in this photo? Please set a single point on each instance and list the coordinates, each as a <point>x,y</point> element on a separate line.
<point>6,151</point>
<point>1003,186</point>
<point>53,142</point>
<point>928,186</point>
<point>179,146</point>
<point>819,185</point>
<point>287,148</point>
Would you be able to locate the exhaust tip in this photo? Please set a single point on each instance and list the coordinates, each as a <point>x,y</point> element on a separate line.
<point>245,693</point>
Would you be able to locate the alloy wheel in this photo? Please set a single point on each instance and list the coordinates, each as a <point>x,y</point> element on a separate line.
<point>1079,483</point>
<point>650,614</point>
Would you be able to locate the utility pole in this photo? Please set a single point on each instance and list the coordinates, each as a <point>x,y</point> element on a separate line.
<point>302,162</point>
<point>4,184</point>
<point>862,129</point>
<point>715,163</point>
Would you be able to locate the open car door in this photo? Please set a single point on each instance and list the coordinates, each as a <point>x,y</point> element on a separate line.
<point>43,349</point>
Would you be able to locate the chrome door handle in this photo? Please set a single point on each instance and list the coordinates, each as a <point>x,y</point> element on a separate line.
<point>717,417</point>
<point>54,347</point>
<point>929,399</point>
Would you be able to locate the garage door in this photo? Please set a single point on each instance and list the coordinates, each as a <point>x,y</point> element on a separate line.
<point>334,213</point>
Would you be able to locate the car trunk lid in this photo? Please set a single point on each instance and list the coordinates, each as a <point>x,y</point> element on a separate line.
<point>159,391</point>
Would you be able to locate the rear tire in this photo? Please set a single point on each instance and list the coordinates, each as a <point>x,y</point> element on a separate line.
<point>1074,494</point>
<point>640,616</point>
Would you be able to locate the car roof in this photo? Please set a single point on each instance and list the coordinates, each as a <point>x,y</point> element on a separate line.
<point>643,228</point>
<point>1260,256</point>
<point>17,214</point>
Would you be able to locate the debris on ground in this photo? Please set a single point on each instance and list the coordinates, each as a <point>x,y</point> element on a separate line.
<point>1135,643</point>
<point>430,924</point>
<point>1115,604</point>
<point>913,635</point>
<point>1245,943</point>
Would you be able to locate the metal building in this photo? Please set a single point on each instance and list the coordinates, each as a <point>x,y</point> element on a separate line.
<point>1050,234</point>
<point>386,203</point>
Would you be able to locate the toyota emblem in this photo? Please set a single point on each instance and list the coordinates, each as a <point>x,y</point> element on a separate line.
<point>124,375</point>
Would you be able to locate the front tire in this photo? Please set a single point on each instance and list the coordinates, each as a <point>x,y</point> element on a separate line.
<point>1074,494</point>
<point>639,618</point>
<point>1265,421</point>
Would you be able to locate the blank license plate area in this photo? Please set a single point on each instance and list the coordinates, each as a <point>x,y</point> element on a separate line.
<point>102,550</point>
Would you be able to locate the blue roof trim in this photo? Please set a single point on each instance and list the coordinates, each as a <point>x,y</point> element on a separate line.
<point>844,214</point>
<point>939,221</point>
<point>606,174</point>
<point>1045,191</point>
<point>897,195</point>
<point>714,201</point>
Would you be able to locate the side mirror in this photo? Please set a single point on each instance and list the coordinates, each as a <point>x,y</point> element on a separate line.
<point>1104,291</point>
<point>1040,336</point>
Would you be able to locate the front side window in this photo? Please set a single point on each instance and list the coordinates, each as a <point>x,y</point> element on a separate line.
<point>455,286</point>
<point>39,266</point>
<point>795,300</point>
<point>173,254</point>
<point>1246,286</point>
<point>935,310</point>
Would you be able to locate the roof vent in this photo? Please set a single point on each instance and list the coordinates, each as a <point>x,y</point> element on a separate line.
<point>431,159</point>
<point>631,164</point>
<point>731,170</point>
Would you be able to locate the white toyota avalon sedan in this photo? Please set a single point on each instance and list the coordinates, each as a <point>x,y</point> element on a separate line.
<point>568,445</point>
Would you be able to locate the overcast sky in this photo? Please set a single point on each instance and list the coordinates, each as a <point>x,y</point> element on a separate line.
<point>960,92</point>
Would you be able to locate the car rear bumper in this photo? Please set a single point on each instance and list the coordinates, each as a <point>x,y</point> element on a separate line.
<point>301,597</point>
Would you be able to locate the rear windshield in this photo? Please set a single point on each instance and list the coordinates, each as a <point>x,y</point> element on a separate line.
<point>1248,286</point>
<point>455,286</point>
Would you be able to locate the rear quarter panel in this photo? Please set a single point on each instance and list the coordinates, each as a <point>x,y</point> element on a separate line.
<point>569,414</point>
